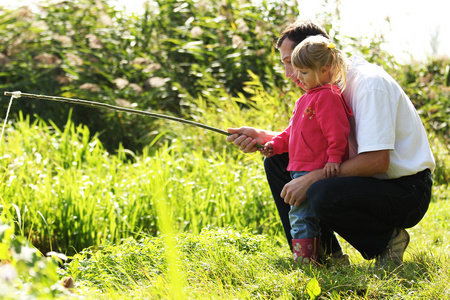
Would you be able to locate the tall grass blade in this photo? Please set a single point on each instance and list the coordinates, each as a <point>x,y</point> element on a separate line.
<point>48,230</point>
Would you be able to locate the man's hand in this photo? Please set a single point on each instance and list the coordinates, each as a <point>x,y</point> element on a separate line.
<point>365,165</point>
<point>246,138</point>
<point>294,192</point>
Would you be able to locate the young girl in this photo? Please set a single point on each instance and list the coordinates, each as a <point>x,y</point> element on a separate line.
<point>317,134</point>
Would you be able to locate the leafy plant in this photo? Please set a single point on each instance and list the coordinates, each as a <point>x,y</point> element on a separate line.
<point>24,271</point>
<point>89,50</point>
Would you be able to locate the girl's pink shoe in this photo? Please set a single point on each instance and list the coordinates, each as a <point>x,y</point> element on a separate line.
<point>306,250</point>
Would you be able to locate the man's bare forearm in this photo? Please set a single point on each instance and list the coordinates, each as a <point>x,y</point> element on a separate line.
<point>267,135</point>
<point>366,164</point>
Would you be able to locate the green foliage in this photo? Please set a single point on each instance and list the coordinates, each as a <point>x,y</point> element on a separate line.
<point>85,195</point>
<point>24,272</point>
<point>425,84</point>
<point>87,49</point>
<point>71,189</point>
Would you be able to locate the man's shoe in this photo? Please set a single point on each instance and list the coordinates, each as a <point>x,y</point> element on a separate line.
<point>393,254</point>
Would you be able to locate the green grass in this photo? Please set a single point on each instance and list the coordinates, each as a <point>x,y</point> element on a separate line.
<point>226,264</point>
<point>190,219</point>
<point>67,180</point>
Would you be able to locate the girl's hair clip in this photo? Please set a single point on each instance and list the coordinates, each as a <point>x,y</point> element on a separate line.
<point>331,46</point>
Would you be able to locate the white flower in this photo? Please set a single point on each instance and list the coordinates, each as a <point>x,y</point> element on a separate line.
<point>74,59</point>
<point>121,83</point>
<point>7,273</point>
<point>92,87</point>
<point>156,82</point>
<point>26,254</point>
<point>196,31</point>
<point>94,41</point>
<point>140,61</point>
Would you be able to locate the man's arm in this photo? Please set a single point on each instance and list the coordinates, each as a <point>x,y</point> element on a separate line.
<point>364,165</point>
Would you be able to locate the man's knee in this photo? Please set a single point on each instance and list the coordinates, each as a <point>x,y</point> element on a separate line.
<point>269,164</point>
<point>321,195</point>
<point>275,168</point>
<point>276,163</point>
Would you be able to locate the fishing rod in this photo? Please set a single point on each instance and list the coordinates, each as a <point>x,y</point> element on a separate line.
<point>118,108</point>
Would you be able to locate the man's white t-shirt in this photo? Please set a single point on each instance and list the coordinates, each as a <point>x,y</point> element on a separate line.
<point>385,119</point>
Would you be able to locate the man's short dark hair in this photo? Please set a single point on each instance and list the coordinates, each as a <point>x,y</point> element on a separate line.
<point>300,30</point>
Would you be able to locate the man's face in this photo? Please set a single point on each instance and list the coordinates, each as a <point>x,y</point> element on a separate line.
<point>286,49</point>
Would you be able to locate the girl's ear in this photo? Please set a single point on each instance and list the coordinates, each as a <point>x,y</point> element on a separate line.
<point>325,69</point>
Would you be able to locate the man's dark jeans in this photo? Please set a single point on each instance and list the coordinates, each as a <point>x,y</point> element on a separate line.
<point>362,210</point>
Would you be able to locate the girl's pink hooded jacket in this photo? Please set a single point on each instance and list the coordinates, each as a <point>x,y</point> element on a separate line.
<point>318,130</point>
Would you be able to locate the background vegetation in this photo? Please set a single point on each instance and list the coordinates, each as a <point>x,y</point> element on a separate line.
<point>131,200</point>
<point>159,61</point>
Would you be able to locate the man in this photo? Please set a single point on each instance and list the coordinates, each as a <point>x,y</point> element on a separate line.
<point>382,189</point>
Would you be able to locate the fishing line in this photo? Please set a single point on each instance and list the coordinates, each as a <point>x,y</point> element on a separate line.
<point>117,108</point>
<point>13,95</point>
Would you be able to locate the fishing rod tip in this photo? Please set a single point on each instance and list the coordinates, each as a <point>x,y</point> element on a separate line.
<point>16,94</point>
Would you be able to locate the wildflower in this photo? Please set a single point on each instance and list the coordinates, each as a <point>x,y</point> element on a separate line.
<point>105,19</point>
<point>258,30</point>
<point>47,59</point>
<point>7,272</point>
<point>74,59</point>
<point>196,31</point>
<point>64,80</point>
<point>64,40</point>
<point>26,254</point>
<point>156,82</point>
<point>125,103</point>
<point>140,61</point>
<point>94,41</point>
<point>41,24</point>
<point>237,41</point>
<point>92,87</point>
<point>121,83</point>
<point>242,26</point>
<point>24,13</point>
<point>136,88</point>
<point>151,68</point>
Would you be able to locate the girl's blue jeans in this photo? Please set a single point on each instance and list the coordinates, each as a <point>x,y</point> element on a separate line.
<point>304,221</point>
<point>363,210</point>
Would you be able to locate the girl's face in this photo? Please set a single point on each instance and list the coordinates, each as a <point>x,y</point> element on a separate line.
<point>311,79</point>
<point>308,78</point>
<point>286,49</point>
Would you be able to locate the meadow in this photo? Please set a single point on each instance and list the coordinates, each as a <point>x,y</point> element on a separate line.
<point>103,205</point>
<point>188,219</point>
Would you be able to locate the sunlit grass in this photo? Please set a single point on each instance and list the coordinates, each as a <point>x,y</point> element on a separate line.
<point>225,264</point>
<point>86,195</point>
<point>138,220</point>
<point>145,218</point>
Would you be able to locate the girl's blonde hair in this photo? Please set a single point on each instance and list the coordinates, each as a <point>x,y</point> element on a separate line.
<point>314,52</point>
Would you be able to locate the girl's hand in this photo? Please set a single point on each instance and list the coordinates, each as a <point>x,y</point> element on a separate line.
<point>331,169</point>
<point>268,150</point>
